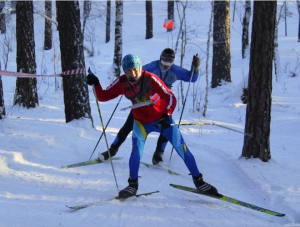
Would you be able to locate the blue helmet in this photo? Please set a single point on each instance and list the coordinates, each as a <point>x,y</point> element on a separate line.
<point>131,61</point>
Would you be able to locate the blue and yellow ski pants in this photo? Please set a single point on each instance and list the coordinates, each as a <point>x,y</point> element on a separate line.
<point>173,134</point>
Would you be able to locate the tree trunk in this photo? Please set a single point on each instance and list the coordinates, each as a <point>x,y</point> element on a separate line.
<point>285,14</point>
<point>298,6</point>
<point>118,39</point>
<point>221,44</point>
<point>2,18</point>
<point>246,22</point>
<point>182,20</point>
<point>2,106</point>
<point>86,14</point>
<point>26,90</point>
<point>13,6</point>
<point>277,63</point>
<point>48,26</point>
<point>170,12</point>
<point>207,59</point>
<point>76,95</point>
<point>234,9</point>
<point>258,113</point>
<point>108,18</point>
<point>149,20</point>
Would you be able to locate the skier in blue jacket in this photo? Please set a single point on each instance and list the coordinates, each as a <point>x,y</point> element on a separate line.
<point>166,70</point>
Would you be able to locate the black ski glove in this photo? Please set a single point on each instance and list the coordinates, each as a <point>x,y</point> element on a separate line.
<point>91,79</point>
<point>164,121</point>
<point>196,63</point>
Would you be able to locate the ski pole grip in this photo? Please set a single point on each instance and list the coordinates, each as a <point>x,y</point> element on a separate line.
<point>193,63</point>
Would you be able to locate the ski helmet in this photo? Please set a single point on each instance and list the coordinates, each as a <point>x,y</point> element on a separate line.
<point>131,61</point>
<point>168,53</point>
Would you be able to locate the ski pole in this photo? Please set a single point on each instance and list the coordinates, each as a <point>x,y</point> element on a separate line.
<point>192,74</point>
<point>212,123</point>
<point>186,124</point>
<point>103,129</point>
<point>197,123</point>
<point>246,134</point>
<point>106,126</point>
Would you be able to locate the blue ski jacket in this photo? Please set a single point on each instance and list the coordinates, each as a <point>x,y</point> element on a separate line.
<point>175,73</point>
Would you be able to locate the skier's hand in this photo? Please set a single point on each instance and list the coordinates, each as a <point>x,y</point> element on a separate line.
<point>165,121</point>
<point>91,79</point>
<point>196,63</point>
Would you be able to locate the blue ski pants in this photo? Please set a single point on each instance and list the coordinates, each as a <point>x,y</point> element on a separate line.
<point>173,134</point>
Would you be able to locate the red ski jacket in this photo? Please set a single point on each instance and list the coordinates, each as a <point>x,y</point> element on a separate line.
<point>147,87</point>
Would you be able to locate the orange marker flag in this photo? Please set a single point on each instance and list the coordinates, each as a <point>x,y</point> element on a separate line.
<point>169,24</point>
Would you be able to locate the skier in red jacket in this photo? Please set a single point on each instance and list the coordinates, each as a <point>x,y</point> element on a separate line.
<point>138,85</point>
<point>169,73</point>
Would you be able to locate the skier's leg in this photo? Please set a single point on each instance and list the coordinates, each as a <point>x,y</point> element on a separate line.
<point>160,148</point>
<point>182,149</point>
<point>121,137</point>
<point>139,136</point>
<point>124,131</point>
<point>175,138</point>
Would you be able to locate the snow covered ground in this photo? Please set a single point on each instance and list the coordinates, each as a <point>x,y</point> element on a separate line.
<point>35,143</point>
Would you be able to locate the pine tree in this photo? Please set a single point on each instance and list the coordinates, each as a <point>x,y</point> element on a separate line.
<point>149,20</point>
<point>258,112</point>
<point>26,91</point>
<point>76,95</point>
<point>108,19</point>
<point>221,44</point>
<point>48,26</point>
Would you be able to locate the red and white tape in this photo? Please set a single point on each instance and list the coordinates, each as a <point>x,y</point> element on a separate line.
<point>73,71</point>
<point>28,75</point>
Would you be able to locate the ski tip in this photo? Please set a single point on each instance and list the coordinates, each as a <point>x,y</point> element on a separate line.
<point>280,215</point>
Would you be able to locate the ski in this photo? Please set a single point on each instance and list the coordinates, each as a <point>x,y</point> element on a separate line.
<point>137,105</point>
<point>158,167</point>
<point>230,200</point>
<point>78,207</point>
<point>90,162</point>
<point>137,195</point>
